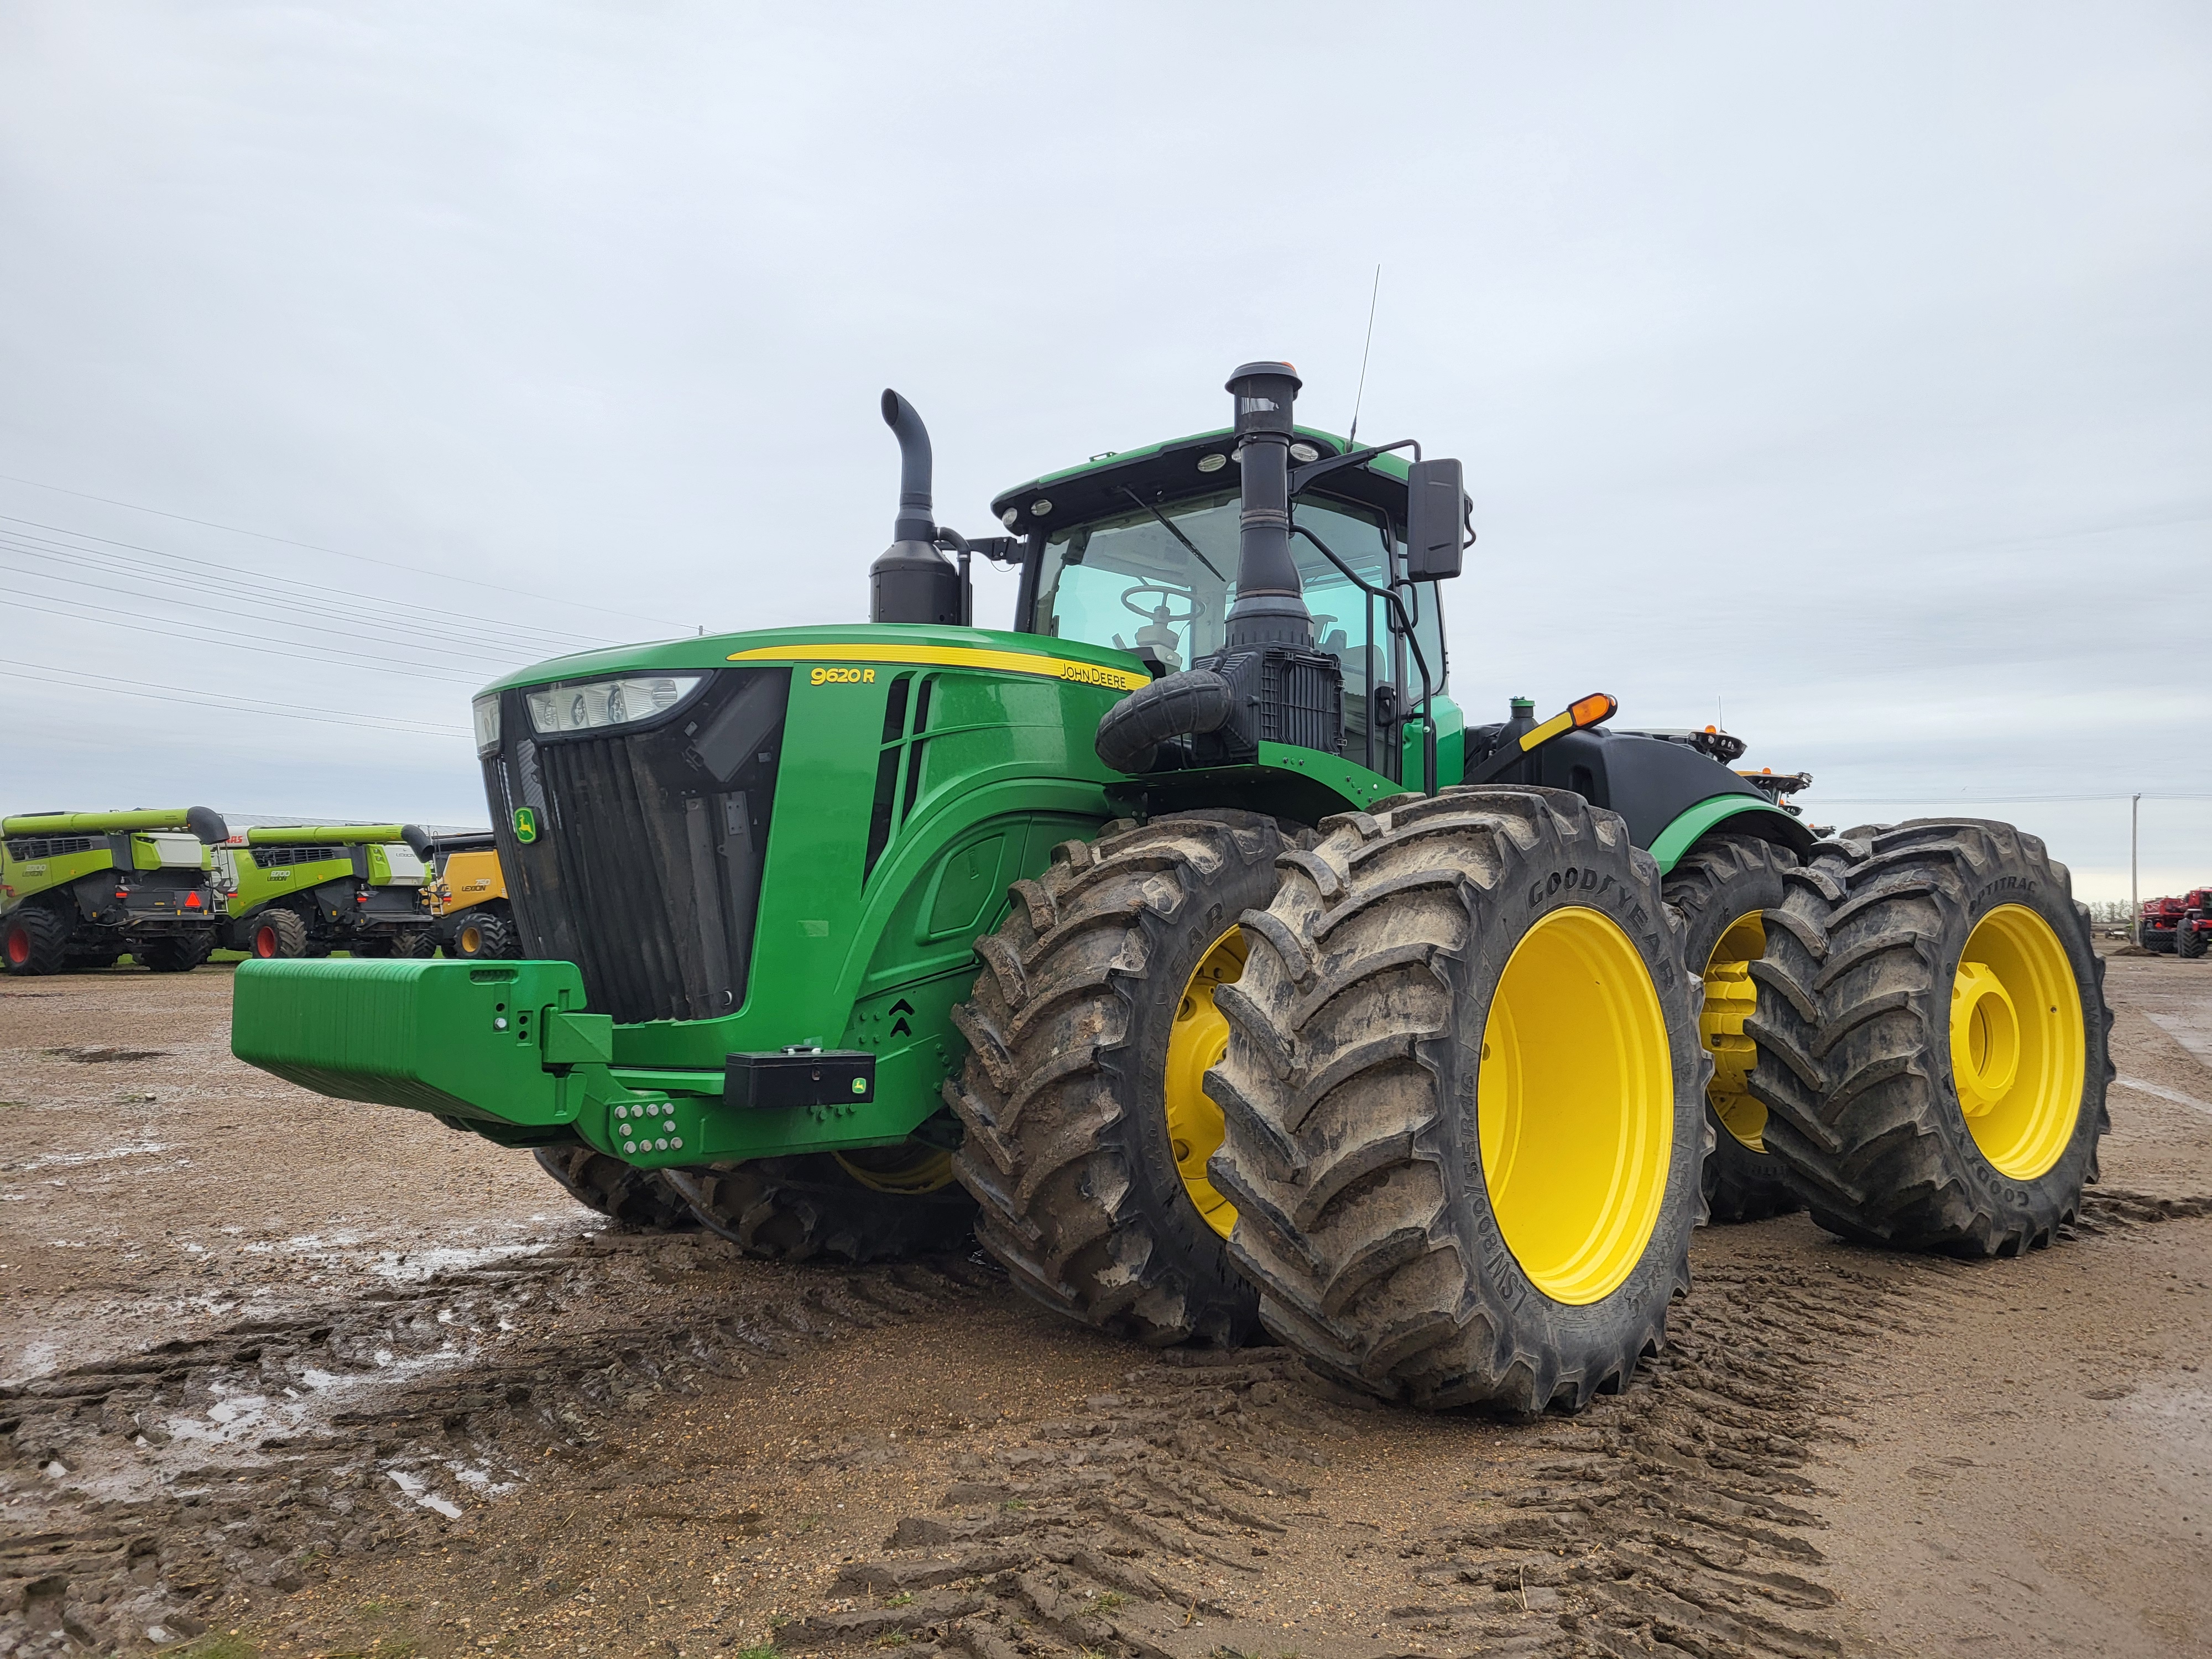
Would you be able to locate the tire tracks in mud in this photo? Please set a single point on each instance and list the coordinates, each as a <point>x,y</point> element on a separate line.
<point>201,1478</point>
<point>1211,1501</point>
<point>1186,1515</point>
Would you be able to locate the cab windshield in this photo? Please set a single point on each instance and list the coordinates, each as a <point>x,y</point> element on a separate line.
<point>1130,582</point>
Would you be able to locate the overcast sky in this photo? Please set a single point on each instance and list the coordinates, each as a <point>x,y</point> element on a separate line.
<point>1848,368</point>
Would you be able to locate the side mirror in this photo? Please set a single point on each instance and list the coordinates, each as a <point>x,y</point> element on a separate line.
<point>1435,540</point>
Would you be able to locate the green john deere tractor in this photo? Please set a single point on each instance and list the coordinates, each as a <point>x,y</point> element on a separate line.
<point>1184,942</point>
<point>307,890</point>
<point>79,889</point>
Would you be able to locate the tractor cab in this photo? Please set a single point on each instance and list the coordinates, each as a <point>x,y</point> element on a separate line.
<point>1139,551</point>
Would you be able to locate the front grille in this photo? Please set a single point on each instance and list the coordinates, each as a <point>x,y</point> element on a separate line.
<point>274,858</point>
<point>645,867</point>
<point>49,847</point>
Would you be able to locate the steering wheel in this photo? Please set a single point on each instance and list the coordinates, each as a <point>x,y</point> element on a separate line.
<point>1161,613</point>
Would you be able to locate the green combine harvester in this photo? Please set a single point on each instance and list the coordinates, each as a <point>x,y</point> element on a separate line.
<point>306,890</point>
<point>80,889</point>
<point>1185,942</point>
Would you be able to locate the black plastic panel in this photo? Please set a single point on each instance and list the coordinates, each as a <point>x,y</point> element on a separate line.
<point>645,871</point>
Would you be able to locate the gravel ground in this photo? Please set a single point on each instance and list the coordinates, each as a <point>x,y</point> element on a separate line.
<point>288,1376</point>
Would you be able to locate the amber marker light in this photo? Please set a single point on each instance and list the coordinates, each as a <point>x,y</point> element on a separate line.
<point>1590,710</point>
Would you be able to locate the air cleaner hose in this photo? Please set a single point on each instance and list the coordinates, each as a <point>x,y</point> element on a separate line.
<point>1175,705</point>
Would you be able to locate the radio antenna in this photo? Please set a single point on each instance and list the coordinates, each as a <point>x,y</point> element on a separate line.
<point>1350,438</point>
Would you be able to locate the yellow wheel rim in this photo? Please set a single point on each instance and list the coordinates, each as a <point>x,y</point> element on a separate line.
<point>1198,1041</point>
<point>1576,1101</point>
<point>909,1169</point>
<point>471,940</point>
<point>2018,1051</point>
<point>1731,998</point>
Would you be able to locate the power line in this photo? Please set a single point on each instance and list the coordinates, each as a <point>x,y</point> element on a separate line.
<point>194,698</point>
<point>312,547</point>
<point>199,633</point>
<point>419,631</point>
<point>40,546</point>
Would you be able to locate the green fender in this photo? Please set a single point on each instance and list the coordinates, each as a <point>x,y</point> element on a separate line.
<point>1690,826</point>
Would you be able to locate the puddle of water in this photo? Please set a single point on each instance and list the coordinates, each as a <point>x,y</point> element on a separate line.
<point>71,1160</point>
<point>2192,1028</point>
<point>419,1490</point>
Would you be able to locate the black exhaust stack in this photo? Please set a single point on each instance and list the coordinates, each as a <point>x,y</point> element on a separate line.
<point>910,581</point>
<point>1268,683</point>
<point>1270,607</point>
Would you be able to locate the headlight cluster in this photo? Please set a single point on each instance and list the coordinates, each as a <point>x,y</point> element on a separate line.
<point>602,702</point>
<point>487,712</point>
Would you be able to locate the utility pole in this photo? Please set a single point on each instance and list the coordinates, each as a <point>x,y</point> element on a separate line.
<point>2135,899</point>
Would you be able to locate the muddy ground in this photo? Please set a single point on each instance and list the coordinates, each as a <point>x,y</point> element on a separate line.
<point>286,1377</point>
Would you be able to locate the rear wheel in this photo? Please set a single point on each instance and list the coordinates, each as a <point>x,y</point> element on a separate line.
<point>276,935</point>
<point>635,1198</point>
<point>1723,889</point>
<point>2188,941</point>
<point>33,940</point>
<point>177,953</point>
<point>484,935</point>
<point>870,1205</point>
<point>1465,1102</point>
<point>2160,940</point>
<point>1933,1063</point>
<point>1087,1123</point>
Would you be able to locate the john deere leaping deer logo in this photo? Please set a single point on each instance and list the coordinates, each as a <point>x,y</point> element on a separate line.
<point>526,824</point>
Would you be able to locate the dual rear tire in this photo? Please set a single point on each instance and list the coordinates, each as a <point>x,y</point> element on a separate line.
<point>1931,1036</point>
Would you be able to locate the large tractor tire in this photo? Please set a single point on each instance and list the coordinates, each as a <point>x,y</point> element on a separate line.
<point>873,1206</point>
<point>276,935</point>
<point>1932,1039</point>
<point>176,953</point>
<point>2161,941</point>
<point>1084,1100</point>
<point>2188,942</point>
<point>420,945</point>
<point>1725,889</point>
<point>33,940</point>
<point>484,936</point>
<point>642,1200</point>
<point>1466,1102</point>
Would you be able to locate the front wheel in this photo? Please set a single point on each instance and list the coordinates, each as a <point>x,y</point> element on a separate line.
<point>641,1199</point>
<point>878,1205</point>
<point>1465,1102</point>
<point>178,953</point>
<point>33,940</point>
<point>1088,1124</point>
<point>2189,941</point>
<point>276,935</point>
<point>481,935</point>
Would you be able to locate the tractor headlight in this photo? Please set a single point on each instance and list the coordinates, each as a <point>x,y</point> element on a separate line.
<point>607,703</point>
<point>486,710</point>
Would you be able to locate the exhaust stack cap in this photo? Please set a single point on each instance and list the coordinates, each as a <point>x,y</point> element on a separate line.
<point>1264,394</point>
<point>910,581</point>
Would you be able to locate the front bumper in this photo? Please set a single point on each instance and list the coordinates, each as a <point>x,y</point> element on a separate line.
<point>507,1049</point>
